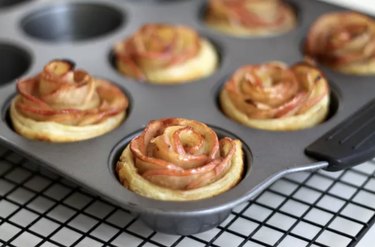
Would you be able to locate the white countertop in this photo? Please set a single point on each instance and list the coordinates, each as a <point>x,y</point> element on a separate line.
<point>360,5</point>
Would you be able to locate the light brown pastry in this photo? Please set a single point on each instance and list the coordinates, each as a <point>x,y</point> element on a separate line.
<point>250,17</point>
<point>343,41</point>
<point>62,104</point>
<point>165,54</point>
<point>272,96</point>
<point>177,159</point>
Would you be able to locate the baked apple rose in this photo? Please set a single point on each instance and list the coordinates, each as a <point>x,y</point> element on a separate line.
<point>62,104</point>
<point>344,41</point>
<point>165,54</point>
<point>180,159</point>
<point>274,96</point>
<point>250,17</point>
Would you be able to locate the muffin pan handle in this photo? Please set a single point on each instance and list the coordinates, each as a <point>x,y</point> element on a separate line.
<point>348,144</point>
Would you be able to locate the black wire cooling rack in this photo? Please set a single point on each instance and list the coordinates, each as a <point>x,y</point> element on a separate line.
<point>39,208</point>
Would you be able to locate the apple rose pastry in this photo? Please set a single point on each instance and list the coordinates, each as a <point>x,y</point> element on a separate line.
<point>179,159</point>
<point>61,104</point>
<point>165,54</point>
<point>343,41</point>
<point>272,96</point>
<point>250,17</point>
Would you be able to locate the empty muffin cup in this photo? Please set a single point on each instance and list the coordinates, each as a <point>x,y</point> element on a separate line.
<point>72,22</point>
<point>9,3</point>
<point>14,61</point>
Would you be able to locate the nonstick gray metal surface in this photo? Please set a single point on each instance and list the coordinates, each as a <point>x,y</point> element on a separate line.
<point>35,32</point>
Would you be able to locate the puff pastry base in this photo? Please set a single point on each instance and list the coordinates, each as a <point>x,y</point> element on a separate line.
<point>198,67</point>
<point>310,118</point>
<point>127,173</point>
<point>56,132</point>
<point>359,68</point>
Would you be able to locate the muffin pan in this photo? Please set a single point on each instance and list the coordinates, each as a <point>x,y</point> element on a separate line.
<point>35,32</point>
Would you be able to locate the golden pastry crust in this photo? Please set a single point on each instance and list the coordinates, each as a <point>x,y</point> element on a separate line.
<point>61,104</point>
<point>250,17</point>
<point>343,41</point>
<point>274,97</point>
<point>166,54</point>
<point>159,171</point>
<point>56,132</point>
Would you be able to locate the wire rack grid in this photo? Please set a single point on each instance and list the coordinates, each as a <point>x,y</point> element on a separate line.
<point>39,208</point>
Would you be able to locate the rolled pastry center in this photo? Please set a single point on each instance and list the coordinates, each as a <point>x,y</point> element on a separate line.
<point>181,154</point>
